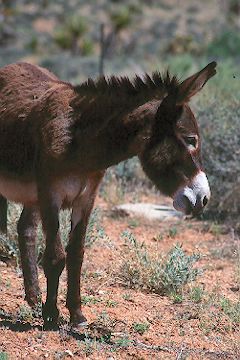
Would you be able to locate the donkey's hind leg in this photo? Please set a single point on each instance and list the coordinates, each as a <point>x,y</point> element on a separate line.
<point>27,228</point>
<point>3,215</point>
<point>53,260</point>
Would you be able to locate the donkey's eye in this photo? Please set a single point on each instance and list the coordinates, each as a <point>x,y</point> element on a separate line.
<point>191,140</point>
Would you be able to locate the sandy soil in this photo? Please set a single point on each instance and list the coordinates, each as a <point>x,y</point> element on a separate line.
<point>188,330</point>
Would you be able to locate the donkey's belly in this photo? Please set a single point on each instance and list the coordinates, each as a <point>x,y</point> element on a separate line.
<point>24,192</point>
<point>65,190</point>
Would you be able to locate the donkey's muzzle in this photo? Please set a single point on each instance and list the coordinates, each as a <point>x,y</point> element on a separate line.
<point>192,198</point>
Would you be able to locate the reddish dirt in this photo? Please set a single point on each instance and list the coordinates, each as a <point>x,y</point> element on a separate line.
<point>175,331</point>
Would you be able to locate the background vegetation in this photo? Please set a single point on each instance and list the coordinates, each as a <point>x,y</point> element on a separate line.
<point>76,39</point>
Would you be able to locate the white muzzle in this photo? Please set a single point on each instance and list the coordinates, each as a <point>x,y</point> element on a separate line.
<point>192,198</point>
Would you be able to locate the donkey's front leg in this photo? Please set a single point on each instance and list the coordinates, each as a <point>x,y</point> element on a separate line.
<point>75,249</point>
<point>54,255</point>
<point>27,227</point>
<point>75,253</point>
<point>3,215</point>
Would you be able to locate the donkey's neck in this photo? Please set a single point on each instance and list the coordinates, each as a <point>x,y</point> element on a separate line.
<point>112,117</point>
<point>122,134</point>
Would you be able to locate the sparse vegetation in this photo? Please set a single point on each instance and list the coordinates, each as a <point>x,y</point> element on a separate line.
<point>95,230</point>
<point>121,18</point>
<point>71,36</point>
<point>196,294</point>
<point>89,299</point>
<point>218,313</point>
<point>160,275</point>
<point>140,328</point>
<point>25,313</point>
<point>4,355</point>
<point>226,44</point>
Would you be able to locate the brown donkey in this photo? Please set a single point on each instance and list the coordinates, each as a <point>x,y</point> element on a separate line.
<point>56,142</point>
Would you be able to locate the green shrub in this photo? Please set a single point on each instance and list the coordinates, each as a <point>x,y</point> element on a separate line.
<point>4,355</point>
<point>94,230</point>
<point>166,275</point>
<point>87,47</point>
<point>221,144</point>
<point>183,44</point>
<point>140,328</point>
<point>71,35</point>
<point>226,44</point>
<point>121,18</point>
<point>63,38</point>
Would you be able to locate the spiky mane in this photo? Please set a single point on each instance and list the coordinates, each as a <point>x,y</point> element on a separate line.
<point>155,85</point>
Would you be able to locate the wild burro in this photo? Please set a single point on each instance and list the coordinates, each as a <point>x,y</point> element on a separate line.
<point>56,142</point>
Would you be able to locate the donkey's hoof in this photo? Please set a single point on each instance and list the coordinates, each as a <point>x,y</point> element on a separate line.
<point>77,320</point>
<point>80,325</point>
<point>50,314</point>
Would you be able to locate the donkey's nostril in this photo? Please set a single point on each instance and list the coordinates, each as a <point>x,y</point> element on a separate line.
<point>205,201</point>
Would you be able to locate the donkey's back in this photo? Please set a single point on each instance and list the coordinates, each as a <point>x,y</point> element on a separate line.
<point>29,96</point>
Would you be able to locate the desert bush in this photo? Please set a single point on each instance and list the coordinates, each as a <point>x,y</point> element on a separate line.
<point>121,18</point>
<point>183,44</point>
<point>94,230</point>
<point>226,44</point>
<point>221,151</point>
<point>71,36</point>
<point>161,275</point>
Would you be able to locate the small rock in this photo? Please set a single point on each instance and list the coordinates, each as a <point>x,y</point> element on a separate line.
<point>150,211</point>
<point>68,352</point>
<point>235,288</point>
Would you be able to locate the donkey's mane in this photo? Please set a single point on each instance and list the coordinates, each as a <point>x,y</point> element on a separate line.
<point>154,85</point>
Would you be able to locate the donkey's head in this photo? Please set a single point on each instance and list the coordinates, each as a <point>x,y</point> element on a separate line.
<point>172,157</point>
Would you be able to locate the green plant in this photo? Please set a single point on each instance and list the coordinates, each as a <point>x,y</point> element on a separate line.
<point>89,299</point>
<point>231,309</point>
<point>33,43</point>
<point>172,232</point>
<point>87,47</point>
<point>178,269</point>
<point>133,223</point>
<point>8,284</point>
<point>127,297</point>
<point>25,313</point>
<point>89,345</point>
<point>94,230</point>
<point>121,18</point>
<point>166,275</point>
<point>63,38</point>
<point>4,355</point>
<point>111,303</point>
<point>225,45</point>
<point>70,35</point>
<point>140,328</point>
<point>220,161</point>
<point>76,25</point>
<point>196,294</point>
<point>123,342</point>
<point>177,298</point>
<point>183,44</point>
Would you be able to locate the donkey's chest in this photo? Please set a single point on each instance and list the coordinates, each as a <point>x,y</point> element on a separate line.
<point>65,190</point>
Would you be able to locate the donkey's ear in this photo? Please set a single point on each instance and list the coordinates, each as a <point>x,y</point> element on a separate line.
<point>195,83</point>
